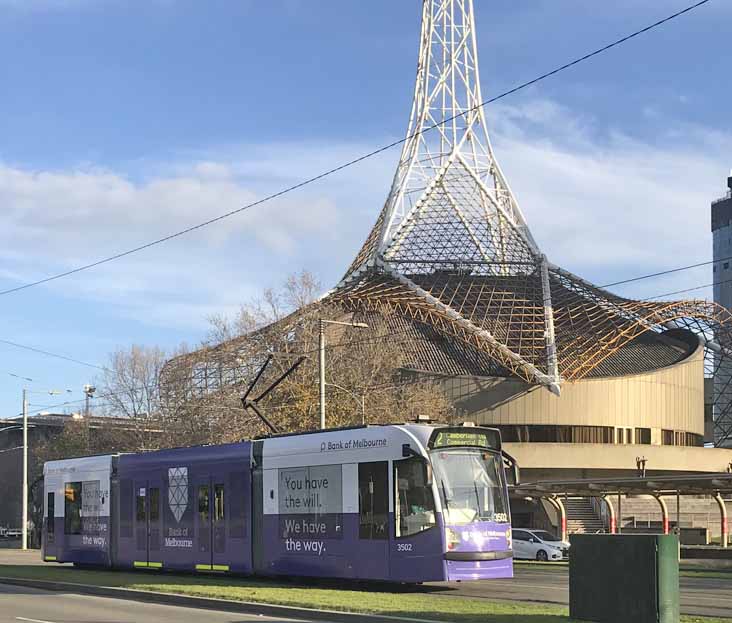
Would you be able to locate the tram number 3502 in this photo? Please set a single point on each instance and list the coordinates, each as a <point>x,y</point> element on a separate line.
<point>404,547</point>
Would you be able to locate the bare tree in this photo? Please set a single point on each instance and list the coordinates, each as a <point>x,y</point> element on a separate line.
<point>129,388</point>
<point>284,324</point>
<point>130,384</point>
<point>297,292</point>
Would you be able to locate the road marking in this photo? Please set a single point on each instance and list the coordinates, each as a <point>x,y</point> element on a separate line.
<point>32,620</point>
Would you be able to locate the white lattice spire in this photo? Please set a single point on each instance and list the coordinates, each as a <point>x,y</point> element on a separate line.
<point>448,96</point>
<point>450,213</point>
<point>447,137</point>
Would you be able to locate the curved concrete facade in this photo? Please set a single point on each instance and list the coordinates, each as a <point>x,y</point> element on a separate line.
<point>671,398</point>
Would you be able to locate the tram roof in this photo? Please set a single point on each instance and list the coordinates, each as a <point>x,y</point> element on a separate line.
<point>223,452</point>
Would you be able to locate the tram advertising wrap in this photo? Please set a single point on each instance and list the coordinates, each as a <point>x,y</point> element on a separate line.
<point>404,503</point>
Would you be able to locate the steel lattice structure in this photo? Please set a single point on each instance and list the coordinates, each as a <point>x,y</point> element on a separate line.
<point>451,251</point>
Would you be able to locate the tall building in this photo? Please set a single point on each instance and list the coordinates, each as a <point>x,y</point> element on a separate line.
<point>722,272</point>
<point>722,245</point>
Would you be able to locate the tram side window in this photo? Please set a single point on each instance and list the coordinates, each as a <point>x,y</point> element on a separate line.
<point>373,500</point>
<point>236,502</point>
<point>154,504</point>
<point>72,508</point>
<point>203,504</point>
<point>51,513</point>
<point>219,503</point>
<point>126,507</point>
<point>140,505</point>
<point>415,508</point>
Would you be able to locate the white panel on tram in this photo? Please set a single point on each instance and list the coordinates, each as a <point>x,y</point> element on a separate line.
<point>350,488</point>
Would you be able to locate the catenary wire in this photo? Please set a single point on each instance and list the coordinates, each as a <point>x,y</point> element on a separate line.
<point>707,285</point>
<point>56,355</point>
<point>357,160</point>
<point>662,273</point>
<point>384,335</point>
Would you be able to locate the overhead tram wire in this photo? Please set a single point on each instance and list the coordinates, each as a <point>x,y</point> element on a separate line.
<point>662,273</point>
<point>361,341</point>
<point>355,161</point>
<point>390,334</point>
<point>55,355</point>
<point>707,285</point>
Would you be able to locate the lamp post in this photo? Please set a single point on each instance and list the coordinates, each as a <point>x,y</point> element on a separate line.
<point>360,397</point>
<point>24,526</point>
<point>24,490</point>
<point>89,393</point>
<point>321,358</point>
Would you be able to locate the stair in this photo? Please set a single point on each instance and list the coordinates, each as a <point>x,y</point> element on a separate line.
<point>581,516</point>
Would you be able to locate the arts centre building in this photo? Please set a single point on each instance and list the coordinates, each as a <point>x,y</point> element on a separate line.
<point>581,382</point>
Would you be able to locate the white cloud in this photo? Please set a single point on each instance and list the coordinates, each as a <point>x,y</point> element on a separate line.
<point>602,202</point>
<point>63,211</point>
<point>57,220</point>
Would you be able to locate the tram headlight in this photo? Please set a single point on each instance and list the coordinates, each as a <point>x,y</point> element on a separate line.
<point>509,539</point>
<point>452,538</point>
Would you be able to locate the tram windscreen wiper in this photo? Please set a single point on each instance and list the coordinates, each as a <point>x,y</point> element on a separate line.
<point>444,495</point>
<point>477,498</point>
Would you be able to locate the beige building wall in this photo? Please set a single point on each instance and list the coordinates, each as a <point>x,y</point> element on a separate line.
<point>547,461</point>
<point>671,398</point>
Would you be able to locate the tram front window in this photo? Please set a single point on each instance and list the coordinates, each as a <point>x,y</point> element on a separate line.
<point>414,510</point>
<point>471,485</point>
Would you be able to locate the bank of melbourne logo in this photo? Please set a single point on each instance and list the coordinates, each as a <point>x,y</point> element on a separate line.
<point>178,491</point>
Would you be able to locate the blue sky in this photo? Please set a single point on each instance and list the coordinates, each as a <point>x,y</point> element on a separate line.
<point>121,120</point>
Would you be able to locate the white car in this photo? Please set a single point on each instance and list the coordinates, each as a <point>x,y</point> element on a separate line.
<point>538,545</point>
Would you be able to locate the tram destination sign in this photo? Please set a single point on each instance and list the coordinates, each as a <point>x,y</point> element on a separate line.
<point>454,437</point>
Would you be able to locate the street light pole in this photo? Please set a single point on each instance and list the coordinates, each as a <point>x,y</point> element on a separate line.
<point>321,369</point>
<point>24,527</point>
<point>321,358</point>
<point>88,393</point>
<point>24,518</point>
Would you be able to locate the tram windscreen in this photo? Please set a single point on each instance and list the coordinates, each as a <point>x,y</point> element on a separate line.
<point>471,485</point>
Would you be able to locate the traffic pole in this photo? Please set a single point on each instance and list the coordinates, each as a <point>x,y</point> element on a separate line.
<point>24,525</point>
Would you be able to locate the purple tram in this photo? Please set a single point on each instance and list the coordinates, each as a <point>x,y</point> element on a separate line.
<point>403,503</point>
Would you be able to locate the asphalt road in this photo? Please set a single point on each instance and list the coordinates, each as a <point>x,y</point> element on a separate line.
<point>30,605</point>
<point>533,583</point>
<point>549,583</point>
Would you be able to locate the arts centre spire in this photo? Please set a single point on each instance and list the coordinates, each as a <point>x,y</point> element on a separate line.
<point>451,251</point>
<point>451,214</point>
<point>451,268</point>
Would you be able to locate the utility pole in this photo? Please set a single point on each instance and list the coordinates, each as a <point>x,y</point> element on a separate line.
<point>321,370</point>
<point>24,527</point>
<point>24,518</point>
<point>321,358</point>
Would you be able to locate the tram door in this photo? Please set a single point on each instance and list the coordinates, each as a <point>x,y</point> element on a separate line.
<point>373,524</point>
<point>416,553</point>
<point>148,518</point>
<point>49,532</point>
<point>211,523</point>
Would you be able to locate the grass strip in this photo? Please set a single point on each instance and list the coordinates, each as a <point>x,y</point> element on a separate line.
<point>368,598</point>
